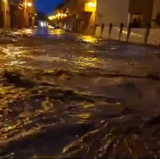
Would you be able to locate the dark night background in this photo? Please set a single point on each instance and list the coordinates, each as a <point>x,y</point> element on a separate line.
<point>47,6</point>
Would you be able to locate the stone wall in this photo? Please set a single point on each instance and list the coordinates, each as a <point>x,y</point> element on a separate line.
<point>4,14</point>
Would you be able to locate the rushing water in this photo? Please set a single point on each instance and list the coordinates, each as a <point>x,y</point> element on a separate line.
<point>69,96</point>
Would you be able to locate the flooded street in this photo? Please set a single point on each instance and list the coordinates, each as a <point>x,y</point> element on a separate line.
<point>66,95</point>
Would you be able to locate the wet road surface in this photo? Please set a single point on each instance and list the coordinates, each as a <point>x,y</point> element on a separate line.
<point>67,95</point>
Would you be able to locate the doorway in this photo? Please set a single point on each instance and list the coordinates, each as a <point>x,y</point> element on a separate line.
<point>136,20</point>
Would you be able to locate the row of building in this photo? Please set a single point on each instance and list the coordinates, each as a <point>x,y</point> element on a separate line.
<point>17,13</point>
<point>84,15</point>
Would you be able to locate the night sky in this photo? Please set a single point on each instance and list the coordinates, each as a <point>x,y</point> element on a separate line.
<point>47,6</point>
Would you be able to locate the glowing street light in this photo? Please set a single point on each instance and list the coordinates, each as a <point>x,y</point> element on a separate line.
<point>64,15</point>
<point>57,16</point>
<point>50,17</point>
<point>60,15</point>
<point>91,4</point>
<point>90,7</point>
<point>29,4</point>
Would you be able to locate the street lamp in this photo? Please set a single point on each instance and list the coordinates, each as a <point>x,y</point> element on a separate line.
<point>91,4</point>
<point>90,7</point>
<point>50,17</point>
<point>29,4</point>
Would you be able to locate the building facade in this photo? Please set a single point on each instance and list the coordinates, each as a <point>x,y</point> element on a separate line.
<point>76,15</point>
<point>117,12</point>
<point>84,15</point>
<point>112,11</point>
<point>16,13</point>
<point>29,13</point>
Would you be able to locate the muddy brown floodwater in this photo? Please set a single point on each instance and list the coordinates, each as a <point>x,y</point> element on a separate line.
<point>66,95</point>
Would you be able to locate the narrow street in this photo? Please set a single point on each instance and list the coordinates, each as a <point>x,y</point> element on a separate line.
<point>66,95</point>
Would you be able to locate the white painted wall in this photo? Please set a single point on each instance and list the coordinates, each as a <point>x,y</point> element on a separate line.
<point>98,31</point>
<point>156,9</point>
<point>112,11</point>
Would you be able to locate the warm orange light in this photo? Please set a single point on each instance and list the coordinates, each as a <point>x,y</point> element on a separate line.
<point>64,15</point>
<point>90,7</point>
<point>57,16</point>
<point>29,4</point>
<point>50,17</point>
<point>91,4</point>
